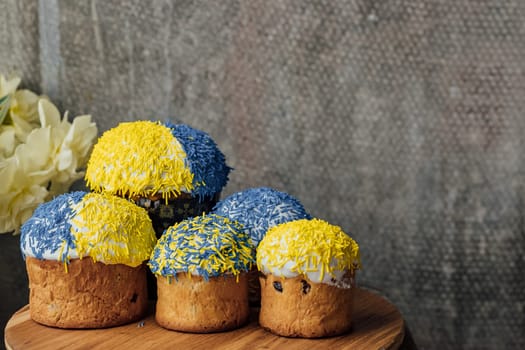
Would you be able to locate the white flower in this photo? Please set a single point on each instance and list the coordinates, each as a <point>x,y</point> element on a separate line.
<point>21,106</point>
<point>23,113</point>
<point>71,145</point>
<point>7,142</point>
<point>41,154</point>
<point>16,203</point>
<point>18,206</point>
<point>8,87</point>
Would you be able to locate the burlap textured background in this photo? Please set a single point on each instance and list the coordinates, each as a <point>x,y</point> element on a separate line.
<point>400,121</point>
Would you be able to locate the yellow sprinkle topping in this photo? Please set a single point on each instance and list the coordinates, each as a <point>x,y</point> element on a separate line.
<point>312,245</point>
<point>112,230</point>
<point>139,159</point>
<point>208,245</point>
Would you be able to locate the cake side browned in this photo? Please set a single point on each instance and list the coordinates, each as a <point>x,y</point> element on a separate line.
<point>297,307</point>
<point>88,295</point>
<point>192,304</point>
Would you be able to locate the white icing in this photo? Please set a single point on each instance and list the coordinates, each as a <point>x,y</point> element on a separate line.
<point>47,254</point>
<point>289,270</point>
<point>71,252</point>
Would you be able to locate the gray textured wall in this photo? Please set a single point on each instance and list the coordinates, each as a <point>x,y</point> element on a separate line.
<point>400,121</point>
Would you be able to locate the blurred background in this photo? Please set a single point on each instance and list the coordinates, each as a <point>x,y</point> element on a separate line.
<point>400,121</point>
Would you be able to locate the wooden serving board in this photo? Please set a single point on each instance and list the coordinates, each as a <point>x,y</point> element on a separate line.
<point>377,325</point>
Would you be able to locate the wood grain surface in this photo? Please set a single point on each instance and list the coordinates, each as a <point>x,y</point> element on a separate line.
<point>378,325</point>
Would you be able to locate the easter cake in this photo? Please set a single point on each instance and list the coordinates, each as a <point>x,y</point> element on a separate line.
<point>172,170</point>
<point>257,210</point>
<point>85,255</point>
<point>308,278</point>
<point>201,265</point>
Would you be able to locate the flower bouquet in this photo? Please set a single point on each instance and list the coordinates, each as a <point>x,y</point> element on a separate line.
<point>41,153</point>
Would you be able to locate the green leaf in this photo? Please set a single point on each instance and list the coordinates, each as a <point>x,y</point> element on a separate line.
<point>4,107</point>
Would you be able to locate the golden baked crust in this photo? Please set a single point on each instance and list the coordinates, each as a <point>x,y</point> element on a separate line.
<point>192,304</point>
<point>304,309</point>
<point>90,295</point>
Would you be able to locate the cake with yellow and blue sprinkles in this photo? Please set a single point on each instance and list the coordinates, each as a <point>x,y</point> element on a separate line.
<point>201,265</point>
<point>307,279</point>
<point>172,170</point>
<point>85,256</point>
<point>257,210</point>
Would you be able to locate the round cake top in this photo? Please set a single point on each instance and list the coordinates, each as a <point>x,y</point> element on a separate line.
<point>143,158</point>
<point>314,248</point>
<point>206,162</point>
<point>47,233</point>
<point>106,228</point>
<point>208,246</point>
<point>258,209</point>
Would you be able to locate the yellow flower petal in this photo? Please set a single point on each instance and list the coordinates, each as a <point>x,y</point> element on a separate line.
<point>22,113</point>
<point>48,113</point>
<point>17,207</point>
<point>21,126</point>
<point>7,174</point>
<point>7,141</point>
<point>8,86</point>
<point>25,105</point>
<point>34,158</point>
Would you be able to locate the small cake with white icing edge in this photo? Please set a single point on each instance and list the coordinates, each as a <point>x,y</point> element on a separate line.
<point>257,210</point>
<point>85,255</point>
<point>308,276</point>
<point>172,170</point>
<point>201,265</point>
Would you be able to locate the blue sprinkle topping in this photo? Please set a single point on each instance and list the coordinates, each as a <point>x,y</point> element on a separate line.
<point>206,162</point>
<point>259,209</point>
<point>49,229</point>
<point>207,245</point>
